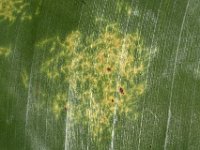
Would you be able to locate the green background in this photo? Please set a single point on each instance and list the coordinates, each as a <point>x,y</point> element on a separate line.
<point>169,110</point>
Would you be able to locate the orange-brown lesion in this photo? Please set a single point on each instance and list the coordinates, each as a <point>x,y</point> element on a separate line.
<point>109,101</point>
<point>109,69</point>
<point>121,90</point>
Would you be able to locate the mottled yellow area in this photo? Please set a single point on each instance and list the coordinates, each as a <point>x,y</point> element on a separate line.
<point>11,9</point>
<point>122,6</point>
<point>100,73</point>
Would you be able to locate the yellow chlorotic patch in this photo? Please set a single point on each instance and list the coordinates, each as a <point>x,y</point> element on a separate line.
<point>4,51</point>
<point>11,9</point>
<point>123,7</point>
<point>97,74</point>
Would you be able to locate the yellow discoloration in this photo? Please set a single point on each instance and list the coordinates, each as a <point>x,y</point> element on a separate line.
<point>140,89</point>
<point>11,9</point>
<point>4,51</point>
<point>100,70</point>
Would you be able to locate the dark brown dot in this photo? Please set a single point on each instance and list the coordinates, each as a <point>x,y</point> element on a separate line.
<point>112,100</point>
<point>108,69</point>
<point>121,90</point>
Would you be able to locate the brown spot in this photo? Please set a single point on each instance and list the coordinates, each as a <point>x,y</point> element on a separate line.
<point>121,90</point>
<point>112,100</point>
<point>108,69</point>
